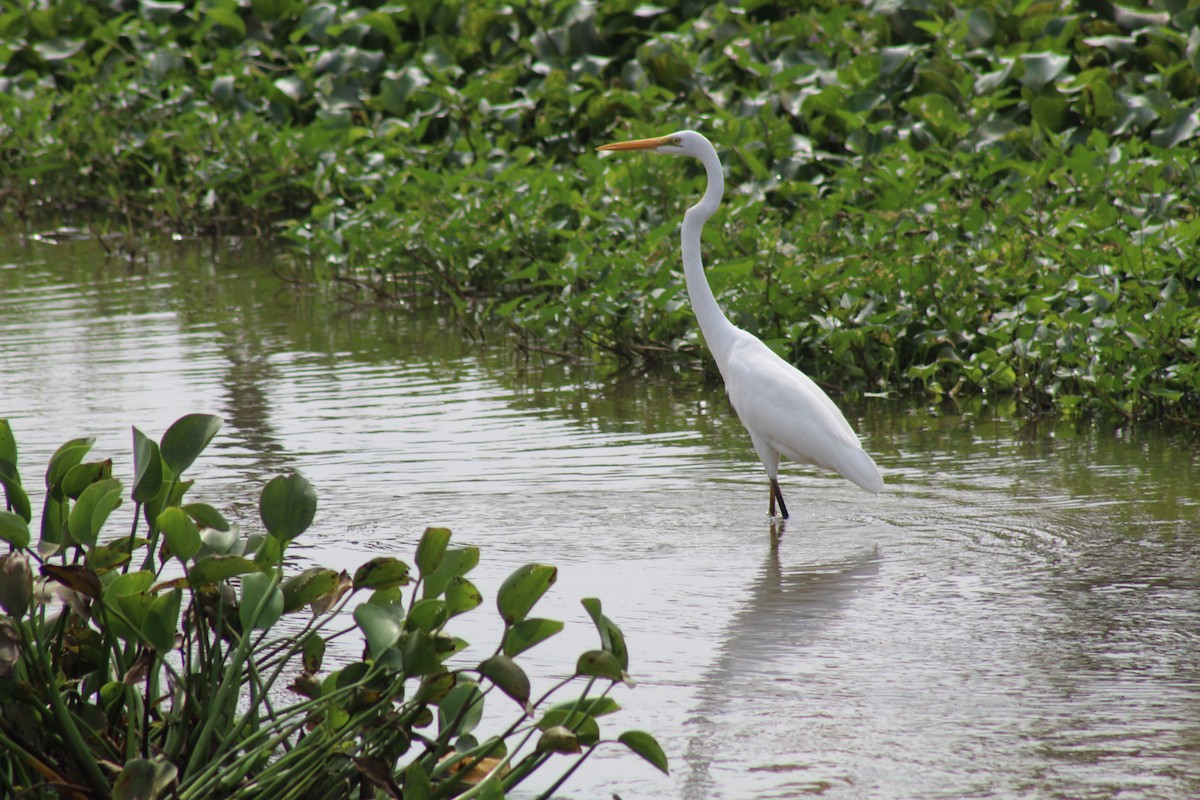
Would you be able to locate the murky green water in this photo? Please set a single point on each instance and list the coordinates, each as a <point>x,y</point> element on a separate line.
<point>1017,615</point>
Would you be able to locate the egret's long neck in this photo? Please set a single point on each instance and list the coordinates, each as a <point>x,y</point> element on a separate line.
<point>708,313</point>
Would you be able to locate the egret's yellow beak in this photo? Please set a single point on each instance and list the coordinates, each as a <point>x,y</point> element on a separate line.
<point>637,144</point>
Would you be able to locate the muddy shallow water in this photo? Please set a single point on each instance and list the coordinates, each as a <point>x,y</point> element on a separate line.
<point>1016,615</point>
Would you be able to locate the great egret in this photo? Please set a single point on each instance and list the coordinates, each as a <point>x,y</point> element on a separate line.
<point>783,410</point>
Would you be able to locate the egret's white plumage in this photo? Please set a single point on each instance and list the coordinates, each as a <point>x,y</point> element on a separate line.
<point>783,410</point>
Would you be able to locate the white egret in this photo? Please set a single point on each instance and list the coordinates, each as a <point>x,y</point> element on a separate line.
<point>783,410</point>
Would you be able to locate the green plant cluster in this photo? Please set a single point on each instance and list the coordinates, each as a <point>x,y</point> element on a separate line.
<point>196,673</point>
<point>991,197</point>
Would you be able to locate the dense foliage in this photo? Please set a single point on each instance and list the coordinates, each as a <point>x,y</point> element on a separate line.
<point>186,662</point>
<point>995,197</point>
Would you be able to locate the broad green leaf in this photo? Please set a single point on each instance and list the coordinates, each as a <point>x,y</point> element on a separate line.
<point>611,638</point>
<point>462,596</point>
<point>162,620</point>
<point>599,664</point>
<point>522,589</point>
<point>220,542</point>
<point>593,706</point>
<point>65,458</point>
<point>380,626</point>
<point>261,602</point>
<point>307,587</point>
<point>512,680</point>
<point>59,48</point>
<point>206,516</point>
<point>527,633</point>
<point>420,653</point>
<point>181,533</point>
<point>583,725</point>
<point>417,785</point>
<point>465,699</point>
<point>287,506</point>
<point>558,739</point>
<point>312,652</point>
<point>647,747</point>
<point>14,493</point>
<point>455,563</point>
<point>382,572</point>
<point>14,530</point>
<point>428,614</point>
<point>1042,68</point>
<point>147,468</point>
<point>212,569</point>
<point>186,439</point>
<point>8,443</point>
<point>431,548</point>
<point>91,510</point>
<point>81,476</point>
<point>269,552</point>
<point>143,779</point>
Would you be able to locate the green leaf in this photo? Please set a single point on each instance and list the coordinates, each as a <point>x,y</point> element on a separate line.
<point>261,602</point>
<point>186,439</point>
<point>611,638</point>
<point>162,620</point>
<point>65,458</point>
<point>91,510</point>
<point>454,564</point>
<point>206,516</point>
<point>59,48</point>
<point>312,652</point>
<point>147,468</point>
<point>558,739</point>
<point>512,680</point>
<point>215,568</point>
<point>599,664</point>
<point>583,725</point>
<point>382,572</point>
<point>269,552</point>
<point>81,476</point>
<point>381,628</point>
<point>287,506</point>
<point>431,548</point>
<point>142,779</point>
<point>527,633</point>
<point>307,587</point>
<point>14,493</point>
<point>8,443</point>
<point>420,653</point>
<point>462,596</point>
<point>181,533</point>
<point>1042,68</point>
<point>647,747</point>
<point>14,530</point>
<point>416,783</point>
<point>522,589</point>
<point>593,706</point>
<point>428,614</point>
<point>466,699</point>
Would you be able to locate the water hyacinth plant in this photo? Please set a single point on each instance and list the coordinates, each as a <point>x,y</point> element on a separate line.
<point>181,659</point>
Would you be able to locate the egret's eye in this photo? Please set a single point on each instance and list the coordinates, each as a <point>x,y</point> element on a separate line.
<point>676,141</point>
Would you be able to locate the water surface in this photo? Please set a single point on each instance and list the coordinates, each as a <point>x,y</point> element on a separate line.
<point>1016,615</point>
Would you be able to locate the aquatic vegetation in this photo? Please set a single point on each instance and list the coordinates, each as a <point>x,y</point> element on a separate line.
<point>994,198</point>
<point>183,659</point>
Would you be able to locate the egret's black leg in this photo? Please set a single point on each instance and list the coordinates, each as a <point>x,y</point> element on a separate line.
<point>776,494</point>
